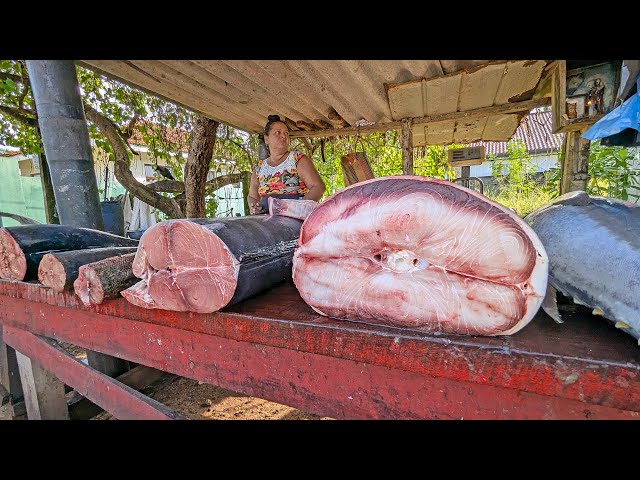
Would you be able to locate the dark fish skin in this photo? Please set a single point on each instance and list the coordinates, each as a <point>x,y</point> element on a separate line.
<point>67,264</point>
<point>105,279</point>
<point>593,244</point>
<point>35,241</point>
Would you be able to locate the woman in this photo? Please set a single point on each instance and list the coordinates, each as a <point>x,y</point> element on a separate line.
<point>286,174</point>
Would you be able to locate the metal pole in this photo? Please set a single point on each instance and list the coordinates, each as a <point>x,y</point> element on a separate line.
<point>65,137</point>
<point>66,142</point>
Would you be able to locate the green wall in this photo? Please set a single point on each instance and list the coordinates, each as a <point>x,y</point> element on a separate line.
<point>19,195</point>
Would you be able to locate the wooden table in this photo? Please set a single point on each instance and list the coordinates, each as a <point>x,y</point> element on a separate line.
<point>276,347</point>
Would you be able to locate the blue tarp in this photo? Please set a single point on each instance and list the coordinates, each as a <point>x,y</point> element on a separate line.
<point>625,116</point>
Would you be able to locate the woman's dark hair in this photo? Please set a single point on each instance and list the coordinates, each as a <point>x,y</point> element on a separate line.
<point>271,120</point>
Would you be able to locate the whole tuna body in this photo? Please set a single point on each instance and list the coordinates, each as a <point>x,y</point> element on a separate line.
<point>420,253</point>
<point>593,245</point>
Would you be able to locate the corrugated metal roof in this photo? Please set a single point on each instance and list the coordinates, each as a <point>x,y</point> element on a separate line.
<point>535,131</point>
<point>332,94</point>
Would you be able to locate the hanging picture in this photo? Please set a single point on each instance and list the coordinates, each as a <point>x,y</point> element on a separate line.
<point>591,89</point>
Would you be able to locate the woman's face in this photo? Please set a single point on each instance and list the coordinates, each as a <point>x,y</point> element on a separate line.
<point>278,136</point>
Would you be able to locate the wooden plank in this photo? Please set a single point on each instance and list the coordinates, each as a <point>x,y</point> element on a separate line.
<point>440,133</point>
<point>525,106</point>
<point>43,392</point>
<point>406,100</point>
<point>574,170</point>
<point>138,378</point>
<point>121,401</point>
<point>441,94</point>
<point>585,359</point>
<point>519,78</point>
<point>479,88</point>
<point>467,131</point>
<point>344,389</point>
<point>407,148</point>
<point>497,126</point>
<point>558,95</point>
<point>10,384</point>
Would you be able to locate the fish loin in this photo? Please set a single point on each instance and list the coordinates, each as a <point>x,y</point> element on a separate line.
<point>593,244</point>
<point>420,253</point>
<point>299,209</point>
<point>59,270</point>
<point>22,247</point>
<point>203,265</point>
<point>105,279</point>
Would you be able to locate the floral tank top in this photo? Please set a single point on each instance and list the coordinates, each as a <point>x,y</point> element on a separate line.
<point>281,179</point>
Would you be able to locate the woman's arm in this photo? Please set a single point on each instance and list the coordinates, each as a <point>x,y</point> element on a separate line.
<point>254,197</point>
<point>311,178</point>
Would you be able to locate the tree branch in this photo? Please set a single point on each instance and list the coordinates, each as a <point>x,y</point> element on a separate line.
<point>11,76</point>
<point>20,116</point>
<point>123,168</point>
<point>219,182</point>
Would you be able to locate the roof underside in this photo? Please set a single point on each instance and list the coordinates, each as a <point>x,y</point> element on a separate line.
<point>330,95</point>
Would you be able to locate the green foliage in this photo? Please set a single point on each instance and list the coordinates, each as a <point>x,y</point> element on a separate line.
<point>384,153</point>
<point>516,186</point>
<point>17,116</point>
<point>612,174</point>
<point>163,126</point>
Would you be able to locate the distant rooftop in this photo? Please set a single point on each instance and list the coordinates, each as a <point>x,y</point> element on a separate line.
<point>535,131</point>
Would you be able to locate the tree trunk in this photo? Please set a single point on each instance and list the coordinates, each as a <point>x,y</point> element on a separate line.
<point>201,146</point>
<point>47,191</point>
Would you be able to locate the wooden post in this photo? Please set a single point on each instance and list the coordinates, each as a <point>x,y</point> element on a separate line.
<point>43,392</point>
<point>246,183</point>
<point>407,147</point>
<point>575,162</point>
<point>65,138</point>
<point>10,385</point>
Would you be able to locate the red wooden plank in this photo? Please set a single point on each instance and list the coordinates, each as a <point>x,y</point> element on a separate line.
<point>340,388</point>
<point>333,387</point>
<point>530,361</point>
<point>120,400</point>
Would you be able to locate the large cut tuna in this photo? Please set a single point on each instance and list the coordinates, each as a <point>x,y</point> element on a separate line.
<point>22,247</point>
<point>202,265</point>
<point>593,245</point>
<point>420,253</point>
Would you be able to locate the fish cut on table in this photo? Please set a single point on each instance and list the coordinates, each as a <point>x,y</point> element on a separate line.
<point>105,279</point>
<point>202,265</point>
<point>22,247</point>
<point>420,253</point>
<point>593,244</point>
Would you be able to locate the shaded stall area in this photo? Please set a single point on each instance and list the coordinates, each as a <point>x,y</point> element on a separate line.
<point>273,345</point>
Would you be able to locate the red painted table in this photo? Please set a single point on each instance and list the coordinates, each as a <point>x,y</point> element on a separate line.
<point>276,347</point>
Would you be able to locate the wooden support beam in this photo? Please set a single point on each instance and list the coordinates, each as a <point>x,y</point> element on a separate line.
<point>10,384</point>
<point>574,170</point>
<point>138,378</point>
<point>407,147</point>
<point>120,400</point>
<point>507,108</point>
<point>43,392</point>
